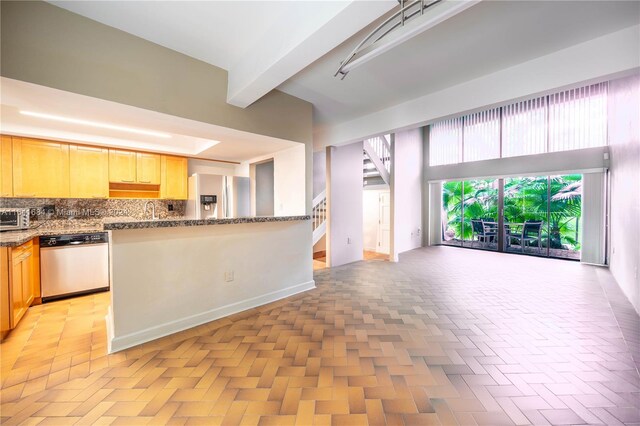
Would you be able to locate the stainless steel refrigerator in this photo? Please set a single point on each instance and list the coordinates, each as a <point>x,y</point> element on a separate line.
<point>232,195</point>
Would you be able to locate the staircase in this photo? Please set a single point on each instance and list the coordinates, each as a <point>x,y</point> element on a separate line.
<point>377,161</point>
<point>319,216</point>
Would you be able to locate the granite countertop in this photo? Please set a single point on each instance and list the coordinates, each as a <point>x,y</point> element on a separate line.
<point>172,223</point>
<point>16,238</point>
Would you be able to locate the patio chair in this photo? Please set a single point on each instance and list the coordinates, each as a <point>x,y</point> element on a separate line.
<point>531,231</point>
<point>482,233</point>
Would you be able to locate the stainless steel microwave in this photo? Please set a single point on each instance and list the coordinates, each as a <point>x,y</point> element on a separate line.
<point>13,219</point>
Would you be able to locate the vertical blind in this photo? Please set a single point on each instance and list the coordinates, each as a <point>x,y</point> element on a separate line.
<point>524,130</point>
<point>482,135</point>
<point>572,119</point>
<point>578,118</point>
<point>445,142</point>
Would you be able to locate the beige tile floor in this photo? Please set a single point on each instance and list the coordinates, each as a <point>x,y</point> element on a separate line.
<point>445,336</point>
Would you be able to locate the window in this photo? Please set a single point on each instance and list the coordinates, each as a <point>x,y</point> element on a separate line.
<point>578,118</point>
<point>524,129</point>
<point>445,146</point>
<point>572,119</point>
<point>482,135</point>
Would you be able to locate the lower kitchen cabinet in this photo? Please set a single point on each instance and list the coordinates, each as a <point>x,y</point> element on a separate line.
<point>20,282</point>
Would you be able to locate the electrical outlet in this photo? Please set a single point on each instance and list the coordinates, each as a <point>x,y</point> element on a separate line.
<point>228,276</point>
<point>170,207</point>
<point>348,240</point>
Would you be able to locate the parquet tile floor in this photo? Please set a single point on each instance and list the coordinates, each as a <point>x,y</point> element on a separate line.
<point>445,336</point>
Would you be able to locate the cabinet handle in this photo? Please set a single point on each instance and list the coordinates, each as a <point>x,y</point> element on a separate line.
<point>27,195</point>
<point>145,181</point>
<point>98,196</point>
<point>127,181</point>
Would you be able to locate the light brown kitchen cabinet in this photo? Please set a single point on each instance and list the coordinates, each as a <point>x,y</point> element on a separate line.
<point>40,168</point>
<point>89,172</point>
<point>122,166</point>
<point>148,168</point>
<point>37,168</point>
<point>173,173</point>
<point>6,167</point>
<point>20,282</point>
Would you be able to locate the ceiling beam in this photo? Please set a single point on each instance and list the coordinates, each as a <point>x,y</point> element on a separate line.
<point>271,62</point>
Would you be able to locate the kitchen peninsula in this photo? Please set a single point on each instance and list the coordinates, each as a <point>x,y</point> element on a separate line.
<point>171,275</point>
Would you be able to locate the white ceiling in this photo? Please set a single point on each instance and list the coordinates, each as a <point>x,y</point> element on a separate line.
<point>488,37</point>
<point>186,137</point>
<point>266,44</point>
<point>260,43</point>
<point>216,32</point>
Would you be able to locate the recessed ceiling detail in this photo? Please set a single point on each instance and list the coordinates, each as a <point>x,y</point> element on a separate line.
<point>31,110</point>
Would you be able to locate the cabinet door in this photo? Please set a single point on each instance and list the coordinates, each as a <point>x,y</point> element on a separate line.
<point>89,176</point>
<point>148,168</point>
<point>6,167</point>
<point>122,166</point>
<point>27,279</point>
<point>5,291</point>
<point>17,289</point>
<point>40,168</point>
<point>173,172</point>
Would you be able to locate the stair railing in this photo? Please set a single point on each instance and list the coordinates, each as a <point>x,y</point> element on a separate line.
<point>319,211</point>
<point>382,148</point>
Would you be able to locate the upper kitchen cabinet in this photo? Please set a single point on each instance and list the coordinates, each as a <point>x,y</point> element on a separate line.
<point>40,168</point>
<point>89,172</point>
<point>148,170</point>
<point>122,166</point>
<point>6,167</point>
<point>173,172</point>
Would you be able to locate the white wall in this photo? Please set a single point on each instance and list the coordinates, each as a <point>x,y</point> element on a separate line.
<point>344,192</point>
<point>289,172</point>
<point>289,181</point>
<point>598,59</point>
<point>265,186</point>
<point>164,280</point>
<point>624,140</point>
<point>552,162</point>
<point>319,172</point>
<point>215,168</point>
<point>406,191</point>
<point>371,217</point>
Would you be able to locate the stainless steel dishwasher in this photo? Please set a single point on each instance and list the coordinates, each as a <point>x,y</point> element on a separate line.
<point>73,264</point>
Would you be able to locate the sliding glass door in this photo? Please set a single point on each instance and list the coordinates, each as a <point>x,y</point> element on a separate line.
<point>481,214</point>
<point>565,216</point>
<point>525,215</point>
<point>541,215</point>
<point>452,209</point>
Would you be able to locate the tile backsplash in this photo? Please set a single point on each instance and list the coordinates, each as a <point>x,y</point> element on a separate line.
<point>94,210</point>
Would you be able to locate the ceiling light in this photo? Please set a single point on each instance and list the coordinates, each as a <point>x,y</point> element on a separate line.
<point>95,124</point>
<point>401,27</point>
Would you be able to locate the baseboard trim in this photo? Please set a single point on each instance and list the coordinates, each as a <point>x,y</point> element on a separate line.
<point>116,344</point>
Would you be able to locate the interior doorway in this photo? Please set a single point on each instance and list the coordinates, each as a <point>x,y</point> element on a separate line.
<point>376,203</point>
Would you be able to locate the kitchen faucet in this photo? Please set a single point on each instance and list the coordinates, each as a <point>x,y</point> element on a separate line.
<point>153,209</point>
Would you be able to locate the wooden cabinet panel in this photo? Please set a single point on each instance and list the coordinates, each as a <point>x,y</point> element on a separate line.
<point>40,168</point>
<point>148,168</point>
<point>22,283</point>
<point>27,279</point>
<point>5,298</point>
<point>89,172</point>
<point>122,166</point>
<point>173,172</point>
<point>6,167</point>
